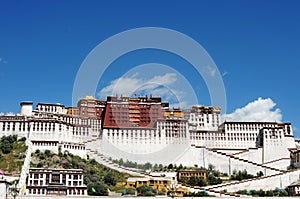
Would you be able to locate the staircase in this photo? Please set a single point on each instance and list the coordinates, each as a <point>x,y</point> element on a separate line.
<point>247,161</point>
<point>25,169</point>
<point>217,190</point>
<point>285,180</point>
<point>273,161</point>
<point>281,180</point>
<point>209,191</point>
<point>100,158</point>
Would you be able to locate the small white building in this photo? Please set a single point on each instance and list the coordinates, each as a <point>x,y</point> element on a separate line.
<point>57,182</point>
<point>203,118</point>
<point>3,188</point>
<point>170,175</point>
<point>294,188</point>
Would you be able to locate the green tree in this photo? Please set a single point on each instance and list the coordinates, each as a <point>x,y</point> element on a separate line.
<point>259,174</point>
<point>155,167</point>
<point>6,146</point>
<point>240,175</point>
<point>147,166</point>
<point>10,138</point>
<point>193,181</point>
<point>202,182</point>
<point>97,189</point>
<point>179,167</point>
<point>170,167</point>
<point>22,139</point>
<point>121,162</point>
<point>93,161</point>
<point>59,151</point>
<point>48,153</point>
<point>7,143</point>
<point>184,179</point>
<point>213,180</point>
<point>39,165</point>
<point>211,167</point>
<point>109,179</point>
<point>145,190</point>
<point>130,191</point>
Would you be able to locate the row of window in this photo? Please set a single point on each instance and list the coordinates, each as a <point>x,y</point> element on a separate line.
<point>41,182</point>
<point>167,134</point>
<point>223,138</point>
<point>43,191</point>
<point>41,175</point>
<point>47,108</point>
<point>44,143</point>
<point>248,127</point>
<point>67,146</point>
<point>7,126</point>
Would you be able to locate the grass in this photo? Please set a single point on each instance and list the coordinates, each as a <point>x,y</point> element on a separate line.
<point>12,162</point>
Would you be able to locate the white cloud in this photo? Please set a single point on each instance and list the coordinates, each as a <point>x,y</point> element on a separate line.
<point>260,110</point>
<point>7,114</point>
<point>128,85</point>
<point>211,70</point>
<point>123,85</point>
<point>224,74</point>
<point>169,86</point>
<point>295,128</point>
<point>2,61</point>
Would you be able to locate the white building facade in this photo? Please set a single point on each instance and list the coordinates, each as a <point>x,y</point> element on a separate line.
<point>186,140</point>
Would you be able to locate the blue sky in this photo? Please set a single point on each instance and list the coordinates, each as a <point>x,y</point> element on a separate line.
<point>255,45</point>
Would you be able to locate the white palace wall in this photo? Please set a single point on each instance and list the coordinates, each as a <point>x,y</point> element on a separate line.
<point>252,154</point>
<point>280,164</point>
<point>202,157</point>
<point>266,183</point>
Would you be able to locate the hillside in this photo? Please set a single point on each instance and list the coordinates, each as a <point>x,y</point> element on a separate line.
<point>96,176</point>
<point>12,154</point>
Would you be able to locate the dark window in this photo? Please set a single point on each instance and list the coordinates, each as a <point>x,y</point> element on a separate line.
<point>55,178</point>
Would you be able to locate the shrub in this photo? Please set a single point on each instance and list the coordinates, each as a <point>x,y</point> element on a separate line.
<point>259,174</point>
<point>161,193</point>
<point>240,175</point>
<point>42,156</point>
<point>97,189</point>
<point>109,179</point>
<point>66,165</point>
<point>148,193</point>
<point>170,167</point>
<point>93,161</point>
<point>145,190</point>
<point>130,191</point>
<point>22,156</point>
<point>39,165</point>
<point>48,153</point>
<point>243,192</point>
<point>6,146</point>
<point>23,139</point>
<point>7,143</point>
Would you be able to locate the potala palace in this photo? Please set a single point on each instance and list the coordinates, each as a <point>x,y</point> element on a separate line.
<point>145,129</point>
